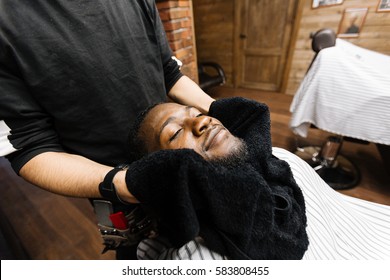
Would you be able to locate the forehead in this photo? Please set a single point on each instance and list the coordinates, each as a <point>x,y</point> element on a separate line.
<point>161,113</point>
<point>158,117</point>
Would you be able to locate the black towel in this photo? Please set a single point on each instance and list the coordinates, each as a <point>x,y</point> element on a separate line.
<point>251,211</point>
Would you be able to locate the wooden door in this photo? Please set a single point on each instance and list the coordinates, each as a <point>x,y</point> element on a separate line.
<point>263,33</point>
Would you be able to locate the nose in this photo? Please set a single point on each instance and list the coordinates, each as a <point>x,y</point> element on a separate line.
<point>200,125</point>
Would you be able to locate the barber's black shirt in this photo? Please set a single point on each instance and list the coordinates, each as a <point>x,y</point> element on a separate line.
<point>74,74</point>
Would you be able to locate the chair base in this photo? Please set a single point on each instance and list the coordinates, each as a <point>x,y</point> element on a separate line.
<point>342,174</point>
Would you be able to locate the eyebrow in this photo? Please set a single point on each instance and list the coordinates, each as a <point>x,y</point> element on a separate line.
<point>169,120</point>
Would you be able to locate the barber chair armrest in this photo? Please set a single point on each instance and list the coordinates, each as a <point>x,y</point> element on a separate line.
<point>211,74</point>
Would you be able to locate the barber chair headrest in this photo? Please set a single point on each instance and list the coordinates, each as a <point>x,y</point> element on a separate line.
<point>323,38</point>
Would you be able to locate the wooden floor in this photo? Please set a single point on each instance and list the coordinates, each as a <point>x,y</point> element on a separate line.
<point>39,225</point>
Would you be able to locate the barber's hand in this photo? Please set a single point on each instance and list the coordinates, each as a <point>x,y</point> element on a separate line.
<point>164,169</point>
<point>166,183</point>
<point>121,188</point>
<point>162,162</point>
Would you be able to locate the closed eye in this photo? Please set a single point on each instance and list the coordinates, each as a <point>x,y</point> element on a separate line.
<point>173,137</point>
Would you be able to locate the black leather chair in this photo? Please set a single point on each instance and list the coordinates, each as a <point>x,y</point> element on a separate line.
<point>338,171</point>
<point>323,38</point>
<point>210,75</point>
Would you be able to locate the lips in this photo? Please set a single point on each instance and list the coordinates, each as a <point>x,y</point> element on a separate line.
<point>211,136</point>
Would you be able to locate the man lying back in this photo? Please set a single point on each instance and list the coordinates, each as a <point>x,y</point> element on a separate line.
<point>173,126</point>
<point>232,177</point>
<point>215,177</point>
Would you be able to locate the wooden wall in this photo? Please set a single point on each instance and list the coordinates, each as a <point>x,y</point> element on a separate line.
<point>214,32</point>
<point>214,29</point>
<point>375,34</point>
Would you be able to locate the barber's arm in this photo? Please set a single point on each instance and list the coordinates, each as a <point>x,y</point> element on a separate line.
<point>187,92</point>
<point>71,175</point>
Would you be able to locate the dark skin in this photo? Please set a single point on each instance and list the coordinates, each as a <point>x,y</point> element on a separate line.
<point>174,126</point>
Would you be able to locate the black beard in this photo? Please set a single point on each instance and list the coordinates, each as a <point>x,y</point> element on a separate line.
<point>236,158</point>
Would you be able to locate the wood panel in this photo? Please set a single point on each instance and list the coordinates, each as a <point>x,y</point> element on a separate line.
<point>263,32</point>
<point>214,28</point>
<point>216,23</point>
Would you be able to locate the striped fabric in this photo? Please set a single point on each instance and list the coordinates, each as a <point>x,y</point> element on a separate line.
<point>346,92</point>
<point>339,226</point>
<point>5,145</point>
<point>160,249</point>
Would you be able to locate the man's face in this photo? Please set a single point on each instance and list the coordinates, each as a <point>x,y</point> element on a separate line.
<point>174,126</point>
